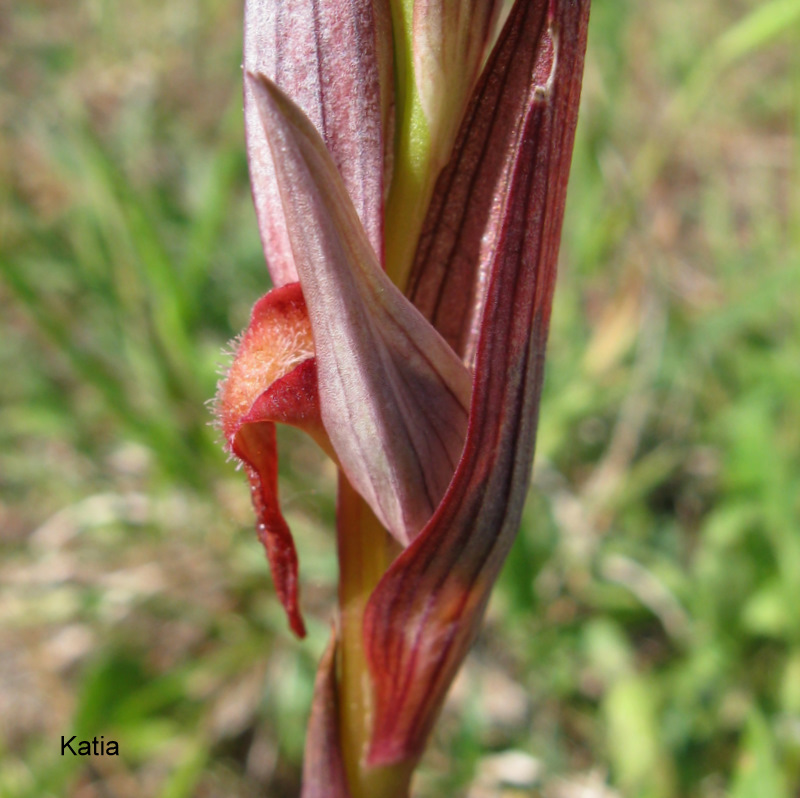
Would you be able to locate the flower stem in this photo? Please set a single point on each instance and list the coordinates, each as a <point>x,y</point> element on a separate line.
<point>412,182</point>
<point>365,552</point>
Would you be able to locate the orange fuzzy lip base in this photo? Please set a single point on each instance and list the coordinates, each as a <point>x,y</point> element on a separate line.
<point>277,340</point>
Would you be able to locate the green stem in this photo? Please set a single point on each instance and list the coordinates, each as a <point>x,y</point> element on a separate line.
<point>365,552</point>
<point>413,177</point>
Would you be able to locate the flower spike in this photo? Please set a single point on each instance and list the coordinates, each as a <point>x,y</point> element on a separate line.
<point>415,263</point>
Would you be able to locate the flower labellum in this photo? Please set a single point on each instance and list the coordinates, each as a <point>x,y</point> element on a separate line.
<point>273,378</point>
<point>410,189</point>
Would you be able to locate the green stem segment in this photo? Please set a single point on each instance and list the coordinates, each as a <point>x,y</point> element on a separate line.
<point>413,178</point>
<point>365,552</point>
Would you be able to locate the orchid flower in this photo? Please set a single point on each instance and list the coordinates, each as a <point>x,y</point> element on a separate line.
<point>409,165</point>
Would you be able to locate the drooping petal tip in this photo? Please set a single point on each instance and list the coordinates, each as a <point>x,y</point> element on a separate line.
<point>272,379</point>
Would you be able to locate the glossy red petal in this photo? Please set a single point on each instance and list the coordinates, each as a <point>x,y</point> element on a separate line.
<point>273,378</point>
<point>424,614</point>
<point>323,767</point>
<point>394,397</point>
<point>334,58</point>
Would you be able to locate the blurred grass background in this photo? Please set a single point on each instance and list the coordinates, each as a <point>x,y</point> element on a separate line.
<point>644,639</point>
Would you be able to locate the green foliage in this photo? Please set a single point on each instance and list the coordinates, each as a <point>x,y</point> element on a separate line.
<point>644,639</point>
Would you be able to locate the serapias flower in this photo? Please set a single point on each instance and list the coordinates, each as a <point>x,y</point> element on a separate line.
<point>410,193</point>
